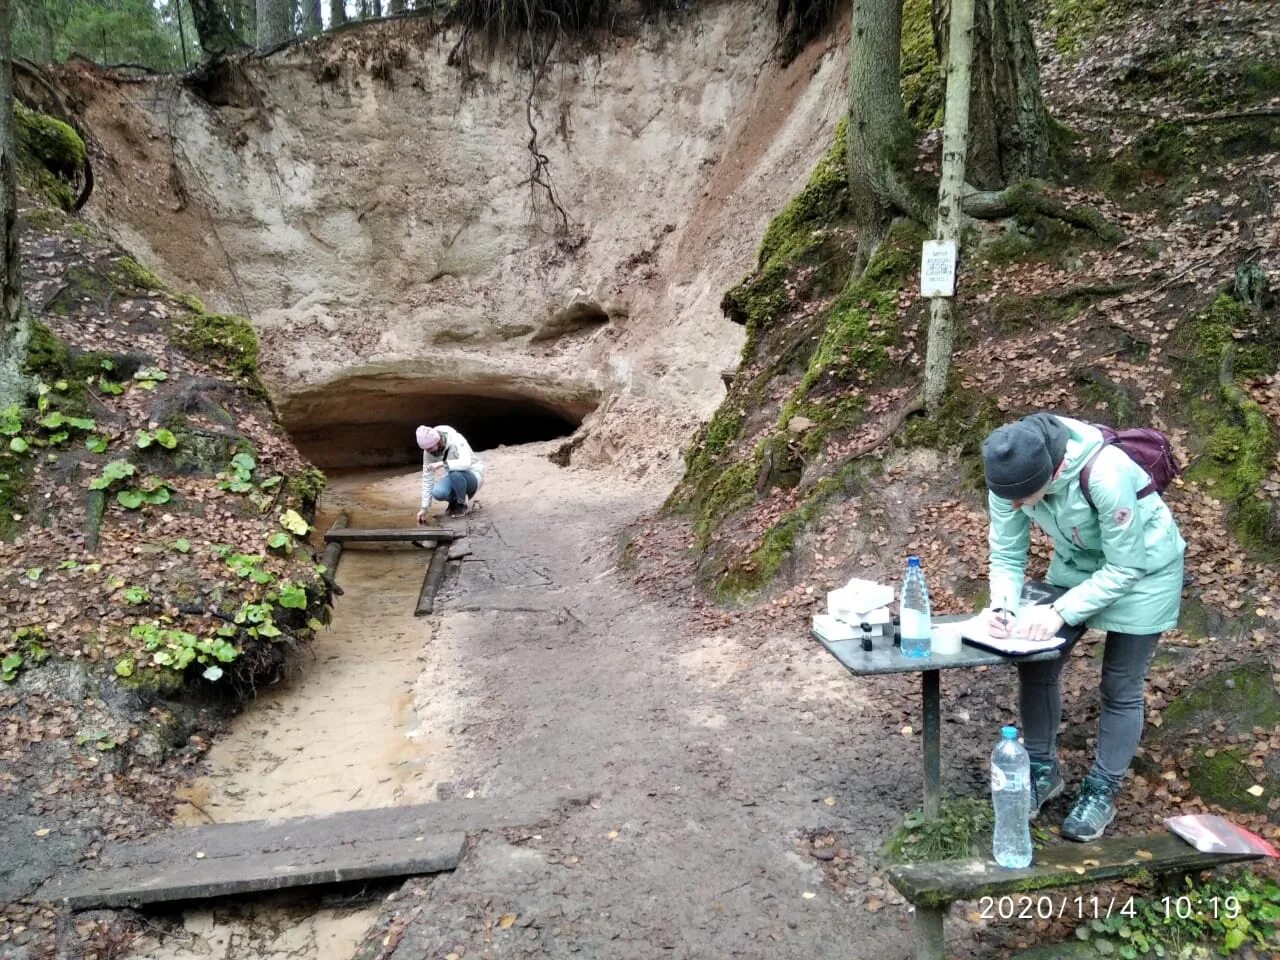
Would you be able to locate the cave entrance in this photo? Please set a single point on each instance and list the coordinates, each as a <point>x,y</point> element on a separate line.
<point>371,424</point>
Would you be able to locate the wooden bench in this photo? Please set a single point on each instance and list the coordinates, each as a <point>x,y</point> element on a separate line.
<point>933,887</point>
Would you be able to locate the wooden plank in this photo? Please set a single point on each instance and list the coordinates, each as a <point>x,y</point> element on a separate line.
<point>1066,864</point>
<point>332,554</point>
<point>308,849</point>
<point>327,830</point>
<point>250,871</point>
<point>431,582</point>
<point>394,535</point>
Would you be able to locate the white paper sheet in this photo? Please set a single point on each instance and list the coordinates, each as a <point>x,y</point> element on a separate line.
<point>975,629</point>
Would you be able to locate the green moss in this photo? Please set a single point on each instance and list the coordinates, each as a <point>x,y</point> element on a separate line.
<point>958,832</point>
<point>862,323</point>
<point>47,356</point>
<point>43,219</point>
<point>732,489</point>
<point>157,682</point>
<point>15,474</point>
<point>1245,694</point>
<point>192,303</point>
<point>789,234</point>
<point>50,155</point>
<point>130,271</point>
<point>793,238</point>
<point>221,337</point>
<point>1077,21</point>
<point>746,576</point>
<point>1222,777</point>
<point>306,487</point>
<point>1240,444</point>
<point>965,419</point>
<point>923,90</point>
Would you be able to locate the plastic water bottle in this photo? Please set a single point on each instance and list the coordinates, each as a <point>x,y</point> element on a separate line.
<point>1011,797</point>
<point>913,612</point>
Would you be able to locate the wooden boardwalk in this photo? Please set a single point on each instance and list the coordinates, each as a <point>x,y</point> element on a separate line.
<point>231,858</point>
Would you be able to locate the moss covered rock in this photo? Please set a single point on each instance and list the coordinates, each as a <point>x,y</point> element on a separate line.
<point>1209,716</point>
<point>1237,442</point>
<point>220,337</point>
<point>51,155</point>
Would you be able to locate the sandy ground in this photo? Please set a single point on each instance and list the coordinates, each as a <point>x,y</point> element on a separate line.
<point>705,764</point>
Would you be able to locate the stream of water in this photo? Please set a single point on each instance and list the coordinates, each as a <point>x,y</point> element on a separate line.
<point>341,734</point>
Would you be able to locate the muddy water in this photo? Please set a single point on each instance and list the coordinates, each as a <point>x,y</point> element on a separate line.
<point>341,734</point>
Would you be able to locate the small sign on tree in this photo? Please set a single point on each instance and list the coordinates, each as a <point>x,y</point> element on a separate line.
<point>938,268</point>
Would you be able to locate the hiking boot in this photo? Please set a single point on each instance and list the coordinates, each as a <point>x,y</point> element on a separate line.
<point>1046,783</point>
<point>457,510</point>
<point>1092,812</point>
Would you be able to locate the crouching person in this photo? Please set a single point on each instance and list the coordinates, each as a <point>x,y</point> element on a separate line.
<point>450,471</point>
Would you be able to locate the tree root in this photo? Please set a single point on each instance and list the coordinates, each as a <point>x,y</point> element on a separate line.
<point>914,405</point>
<point>1029,197</point>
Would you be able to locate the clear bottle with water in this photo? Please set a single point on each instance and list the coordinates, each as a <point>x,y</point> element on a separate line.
<point>915,624</point>
<point>1011,798</point>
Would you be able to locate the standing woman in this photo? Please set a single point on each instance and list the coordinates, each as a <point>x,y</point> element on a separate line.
<point>1120,561</point>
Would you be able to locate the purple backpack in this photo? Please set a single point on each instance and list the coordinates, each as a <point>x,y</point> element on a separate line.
<point>1150,449</point>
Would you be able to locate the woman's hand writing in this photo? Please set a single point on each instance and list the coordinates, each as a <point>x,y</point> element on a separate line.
<point>1039,622</point>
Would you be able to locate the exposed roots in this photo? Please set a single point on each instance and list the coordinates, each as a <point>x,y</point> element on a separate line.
<point>1029,197</point>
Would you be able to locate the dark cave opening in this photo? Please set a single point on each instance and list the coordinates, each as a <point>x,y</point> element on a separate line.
<point>348,426</point>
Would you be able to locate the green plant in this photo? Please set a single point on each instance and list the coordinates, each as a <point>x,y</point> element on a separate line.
<point>152,491</point>
<point>96,443</point>
<point>1226,913</point>
<point>249,566</point>
<point>146,438</point>
<point>292,596</point>
<point>239,479</point>
<point>952,835</point>
<point>182,545</point>
<point>10,666</point>
<point>28,638</point>
<point>99,738</point>
<point>148,377</point>
<point>136,595</point>
<point>112,472</point>
<point>177,649</point>
<point>257,620</point>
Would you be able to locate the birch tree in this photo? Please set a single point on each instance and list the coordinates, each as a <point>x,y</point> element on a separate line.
<point>10,281</point>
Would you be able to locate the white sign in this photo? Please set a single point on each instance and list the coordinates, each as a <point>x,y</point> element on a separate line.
<point>938,268</point>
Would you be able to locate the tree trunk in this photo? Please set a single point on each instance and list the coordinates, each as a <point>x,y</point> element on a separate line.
<point>1009,126</point>
<point>10,280</point>
<point>395,7</point>
<point>274,26</point>
<point>337,13</point>
<point>377,9</point>
<point>881,142</point>
<point>213,28</point>
<point>951,190</point>
<point>312,21</point>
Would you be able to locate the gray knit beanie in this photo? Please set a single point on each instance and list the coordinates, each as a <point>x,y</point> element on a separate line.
<point>1017,460</point>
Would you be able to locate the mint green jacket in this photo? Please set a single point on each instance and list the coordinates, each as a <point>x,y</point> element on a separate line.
<point>1121,562</point>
